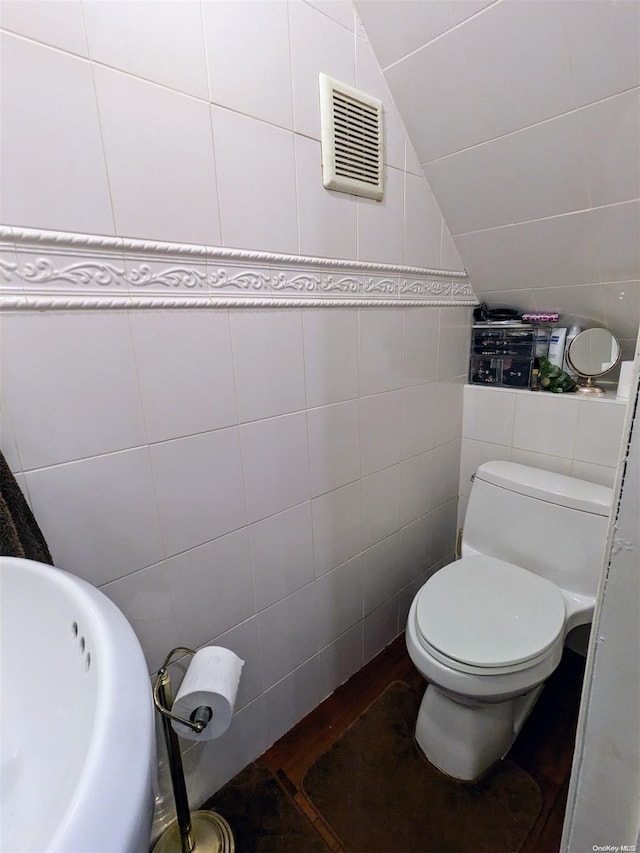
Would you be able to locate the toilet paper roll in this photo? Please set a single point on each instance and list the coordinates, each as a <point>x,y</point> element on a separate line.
<point>624,383</point>
<point>211,680</point>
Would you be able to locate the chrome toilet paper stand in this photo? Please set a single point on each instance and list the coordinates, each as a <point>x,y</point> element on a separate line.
<point>202,831</point>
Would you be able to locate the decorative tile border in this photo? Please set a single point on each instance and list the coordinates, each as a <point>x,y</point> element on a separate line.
<point>42,270</point>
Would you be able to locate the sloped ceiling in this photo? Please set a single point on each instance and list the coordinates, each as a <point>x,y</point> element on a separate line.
<point>525,115</point>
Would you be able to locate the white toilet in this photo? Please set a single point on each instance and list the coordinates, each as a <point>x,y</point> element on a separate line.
<point>488,629</point>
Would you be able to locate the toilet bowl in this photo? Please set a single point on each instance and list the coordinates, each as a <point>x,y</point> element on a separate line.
<point>487,630</point>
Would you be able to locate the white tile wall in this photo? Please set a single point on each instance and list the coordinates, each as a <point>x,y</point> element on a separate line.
<point>577,436</point>
<point>243,79</point>
<point>196,466</point>
<point>162,179</point>
<point>43,185</point>
<point>266,533</point>
<point>156,40</point>
<point>537,161</point>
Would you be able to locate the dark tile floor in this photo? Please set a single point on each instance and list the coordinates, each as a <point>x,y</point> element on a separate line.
<point>273,813</point>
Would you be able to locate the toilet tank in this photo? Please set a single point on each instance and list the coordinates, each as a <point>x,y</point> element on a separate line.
<point>550,524</point>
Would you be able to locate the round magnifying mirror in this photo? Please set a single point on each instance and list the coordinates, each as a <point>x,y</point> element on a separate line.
<point>592,353</point>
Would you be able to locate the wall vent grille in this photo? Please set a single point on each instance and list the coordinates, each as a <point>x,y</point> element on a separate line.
<point>351,124</point>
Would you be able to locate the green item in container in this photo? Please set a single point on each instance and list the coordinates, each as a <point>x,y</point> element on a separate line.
<point>553,378</point>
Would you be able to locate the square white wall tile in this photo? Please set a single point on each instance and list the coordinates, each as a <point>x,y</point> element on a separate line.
<point>416,549</point>
<point>380,350</point>
<point>423,223</point>
<point>530,174</point>
<point>545,424</point>
<point>339,600</point>
<point>185,371</point>
<point>541,460</point>
<point>380,430</point>
<point>55,22</point>
<point>380,505</point>
<point>162,179</point>
<point>8,439</point>
<point>208,765</point>
<point>330,355</point>
<point>42,184</point>
<point>244,641</point>
<point>418,419</point>
<point>275,457</point>
<point>380,628</point>
<point>503,62</point>
<point>317,44</point>
<point>211,587</point>
<point>419,345</point>
<point>443,524</point>
<point>334,446</point>
<point>446,472</point>
<point>145,599</point>
<point>449,257</point>
<point>405,600</point>
<point>340,660</point>
<point>74,372</point>
<point>546,252</point>
<point>157,40</point>
<point>599,432</point>
<point>268,361</point>
<point>261,31</point>
<point>340,10</point>
<point>337,527</point>
<point>326,218</point>
<point>381,223</point>
<point>610,134</point>
<point>99,515</point>
<point>622,307</point>
<point>199,488</point>
<point>453,343</point>
<point>398,27</point>
<point>615,229</point>
<point>282,554</point>
<point>439,72</point>
<point>600,474</point>
<point>291,699</point>
<point>473,454</point>
<point>447,402</point>
<point>379,572</point>
<point>286,638</point>
<point>255,163</point>
<point>489,416</point>
<point>587,30</point>
<point>416,487</point>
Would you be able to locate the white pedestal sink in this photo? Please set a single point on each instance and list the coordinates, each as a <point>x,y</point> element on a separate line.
<point>77,743</point>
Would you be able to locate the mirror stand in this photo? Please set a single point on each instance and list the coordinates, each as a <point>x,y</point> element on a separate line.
<point>589,388</point>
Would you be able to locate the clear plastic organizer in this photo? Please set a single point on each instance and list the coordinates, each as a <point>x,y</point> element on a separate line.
<point>503,353</point>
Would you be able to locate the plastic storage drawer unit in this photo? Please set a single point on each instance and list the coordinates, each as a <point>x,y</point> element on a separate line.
<point>503,353</point>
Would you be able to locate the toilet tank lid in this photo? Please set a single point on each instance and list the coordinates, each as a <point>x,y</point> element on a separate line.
<point>548,486</point>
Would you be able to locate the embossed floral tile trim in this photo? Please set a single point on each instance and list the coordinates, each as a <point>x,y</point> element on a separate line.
<point>50,269</point>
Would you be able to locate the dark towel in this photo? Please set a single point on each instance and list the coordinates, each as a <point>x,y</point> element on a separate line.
<point>20,535</point>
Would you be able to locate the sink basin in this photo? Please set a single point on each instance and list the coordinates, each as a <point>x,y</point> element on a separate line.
<point>77,742</point>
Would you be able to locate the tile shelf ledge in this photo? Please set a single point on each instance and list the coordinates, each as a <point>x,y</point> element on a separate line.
<point>43,270</point>
<point>608,397</point>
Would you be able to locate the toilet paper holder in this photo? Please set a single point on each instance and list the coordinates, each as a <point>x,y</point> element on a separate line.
<point>202,831</point>
<point>162,695</point>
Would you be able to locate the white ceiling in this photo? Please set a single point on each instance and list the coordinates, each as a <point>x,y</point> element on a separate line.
<point>525,115</point>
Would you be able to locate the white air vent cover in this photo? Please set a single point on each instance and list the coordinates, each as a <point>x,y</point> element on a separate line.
<point>351,125</point>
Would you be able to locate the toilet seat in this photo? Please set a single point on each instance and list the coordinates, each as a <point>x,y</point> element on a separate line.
<point>486,616</point>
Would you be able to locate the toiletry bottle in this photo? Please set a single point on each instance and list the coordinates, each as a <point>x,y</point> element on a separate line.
<point>556,346</point>
<point>535,375</point>
<point>573,331</point>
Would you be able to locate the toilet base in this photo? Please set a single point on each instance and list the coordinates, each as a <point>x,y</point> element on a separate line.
<point>463,740</point>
